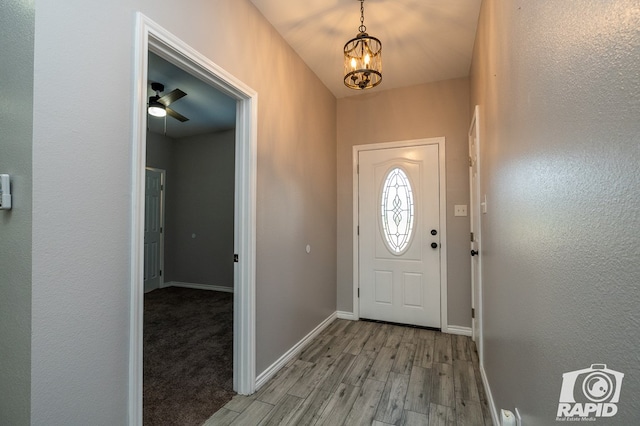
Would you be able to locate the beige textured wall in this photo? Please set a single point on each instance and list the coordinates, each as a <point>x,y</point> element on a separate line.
<point>558,86</point>
<point>423,111</point>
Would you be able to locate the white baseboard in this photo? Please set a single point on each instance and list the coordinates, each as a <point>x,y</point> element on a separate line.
<point>346,315</point>
<point>291,353</point>
<point>199,286</point>
<point>456,329</point>
<point>487,391</point>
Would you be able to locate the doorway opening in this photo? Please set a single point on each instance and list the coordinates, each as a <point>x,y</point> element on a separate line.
<point>151,38</point>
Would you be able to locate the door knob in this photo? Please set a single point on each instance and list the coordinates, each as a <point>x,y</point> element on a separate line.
<point>473,253</point>
<point>434,232</point>
<point>434,245</point>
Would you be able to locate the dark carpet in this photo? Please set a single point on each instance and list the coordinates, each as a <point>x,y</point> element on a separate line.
<point>188,355</point>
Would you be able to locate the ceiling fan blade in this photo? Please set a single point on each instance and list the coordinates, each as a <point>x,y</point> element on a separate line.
<point>171,97</point>
<point>176,115</point>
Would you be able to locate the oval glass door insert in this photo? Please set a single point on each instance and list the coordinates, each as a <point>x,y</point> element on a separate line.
<point>397,211</point>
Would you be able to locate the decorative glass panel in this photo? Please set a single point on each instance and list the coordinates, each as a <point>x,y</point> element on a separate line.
<point>397,210</point>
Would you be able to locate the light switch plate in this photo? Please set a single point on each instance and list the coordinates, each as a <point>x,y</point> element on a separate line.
<point>460,210</point>
<point>5,192</point>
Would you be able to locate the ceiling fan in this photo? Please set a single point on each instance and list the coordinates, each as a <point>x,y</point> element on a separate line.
<point>159,105</point>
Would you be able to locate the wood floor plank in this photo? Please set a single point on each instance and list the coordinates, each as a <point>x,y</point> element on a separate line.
<point>360,368</point>
<point>377,339</point>
<point>468,413</point>
<point>395,336</point>
<point>439,415</point>
<point>409,335</point>
<point>309,412</point>
<point>366,404</point>
<point>391,407</point>
<point>442,386</point>
<point>332,348</point>
<point>419,391</point>
<point>354,327</point>
<point>411,418</point>
<point>382,365</point>
<point>282,412</point>
<point>336,345</point>
<point>253,415</point>
<point>404,358</point>
<point>460,347</point>
<point>310,378</point>
<point>339,405</point>
<point>356,344</point>
<point>464,380</point>
<point>222,417</point>
<point>336,327</point>
<point>442,348</point>
<point>336,372</point>
<point>423,333</point>
<point>239,403</point>
<point>311,352</point>
<point>276,389</point>
<point>424,353</point>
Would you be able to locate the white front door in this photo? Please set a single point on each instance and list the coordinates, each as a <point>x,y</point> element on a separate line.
<point>153,227</point>
<point>399,244</point>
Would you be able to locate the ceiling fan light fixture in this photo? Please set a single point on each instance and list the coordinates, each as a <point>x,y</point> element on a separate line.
<point>156,108</point>
<point>362,59</point>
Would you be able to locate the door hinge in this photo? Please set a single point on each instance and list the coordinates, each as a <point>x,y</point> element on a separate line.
<point>358,292</point>
<point>472,237</point>
<point>470,162</point>
<point>161,229</point>
<point>473,313</point>
<point>358,230</point>
<point>161,187</point>
<point>357,169</point>
<point>235,258</point>
<point>160,272</point>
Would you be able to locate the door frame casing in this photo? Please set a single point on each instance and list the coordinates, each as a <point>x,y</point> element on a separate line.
<point>476,214</point>
<point>163,179</point>
<point>440,141</point>
<point>152,37</point>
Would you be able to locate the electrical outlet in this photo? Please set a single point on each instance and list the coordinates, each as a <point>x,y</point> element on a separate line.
<point>460,210</point>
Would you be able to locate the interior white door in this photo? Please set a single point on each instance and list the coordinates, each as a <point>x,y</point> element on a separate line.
<point>399,242</point>
<point>153,228</point>
<point>475,211</point>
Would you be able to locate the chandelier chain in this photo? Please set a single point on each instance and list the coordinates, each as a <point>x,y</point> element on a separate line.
<point>362,28</point>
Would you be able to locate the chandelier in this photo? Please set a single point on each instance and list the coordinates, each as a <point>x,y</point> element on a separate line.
<point>362,59</point>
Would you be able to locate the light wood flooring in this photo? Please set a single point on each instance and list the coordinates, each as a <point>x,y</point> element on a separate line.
<point>366,373</point>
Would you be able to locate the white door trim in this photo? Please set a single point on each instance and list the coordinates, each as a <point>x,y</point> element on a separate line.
<point>475,212</point>
<point>443,218</point>
<point>152,37</point>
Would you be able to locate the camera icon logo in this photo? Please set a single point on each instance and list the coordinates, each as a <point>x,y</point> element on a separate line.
<point>590,392</point>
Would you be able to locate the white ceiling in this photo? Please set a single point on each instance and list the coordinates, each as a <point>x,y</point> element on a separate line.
<point>422,40</point>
